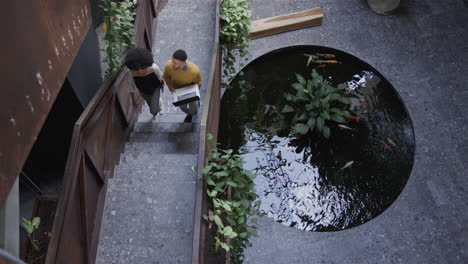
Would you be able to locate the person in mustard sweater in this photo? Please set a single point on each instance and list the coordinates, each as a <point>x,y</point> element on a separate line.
<point>179,72</point>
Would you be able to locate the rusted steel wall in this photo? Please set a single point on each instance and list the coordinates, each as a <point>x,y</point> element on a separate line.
<point>41,39</point>
<point>209,124</point>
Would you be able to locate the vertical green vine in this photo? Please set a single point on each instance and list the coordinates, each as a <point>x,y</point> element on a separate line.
<point>235,19</point>
<point>225,170</point>
<point>119,31</point>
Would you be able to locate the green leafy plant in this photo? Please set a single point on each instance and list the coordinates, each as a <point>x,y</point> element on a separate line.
<point>30,227</point>
<point>225,171</point>
<point>315,104</point>
<point>119,31</point>
<point>234,34</point>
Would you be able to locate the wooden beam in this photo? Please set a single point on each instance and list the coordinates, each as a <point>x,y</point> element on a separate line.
<point>274,25</point>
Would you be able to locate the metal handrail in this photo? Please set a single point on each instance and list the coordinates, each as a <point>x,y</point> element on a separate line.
<point>4,255</point>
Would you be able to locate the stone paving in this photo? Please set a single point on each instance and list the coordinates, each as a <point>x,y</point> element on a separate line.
<point>422,50</point>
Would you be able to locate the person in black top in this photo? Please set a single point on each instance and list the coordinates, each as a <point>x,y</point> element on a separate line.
<point>147,76</point>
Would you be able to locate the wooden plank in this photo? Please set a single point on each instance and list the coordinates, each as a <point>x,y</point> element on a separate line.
<point>274,25</point>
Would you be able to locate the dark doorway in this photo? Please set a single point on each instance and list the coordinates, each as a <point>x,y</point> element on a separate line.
<point>42,174</point>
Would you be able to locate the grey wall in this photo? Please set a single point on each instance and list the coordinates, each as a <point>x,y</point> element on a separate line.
<point>85,73</point>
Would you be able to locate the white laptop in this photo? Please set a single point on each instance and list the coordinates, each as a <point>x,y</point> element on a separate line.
<point>186,95</point>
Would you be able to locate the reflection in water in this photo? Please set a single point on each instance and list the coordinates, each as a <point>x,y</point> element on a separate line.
<point>291,190</point>
<point>311,183</point>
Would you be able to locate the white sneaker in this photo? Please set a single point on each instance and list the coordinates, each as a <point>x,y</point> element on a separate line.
<point>155,118</point>
<point>161,107</point>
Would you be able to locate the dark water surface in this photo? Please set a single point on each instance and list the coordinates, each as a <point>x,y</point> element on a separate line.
<point>319,184</point>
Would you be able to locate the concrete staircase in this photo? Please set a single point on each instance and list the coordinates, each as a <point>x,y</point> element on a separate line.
<point>148,214</point>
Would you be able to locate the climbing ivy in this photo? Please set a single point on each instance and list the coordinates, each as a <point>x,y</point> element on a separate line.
<point>119,31</point>
<point>235,21</point>
<point>230,216</point>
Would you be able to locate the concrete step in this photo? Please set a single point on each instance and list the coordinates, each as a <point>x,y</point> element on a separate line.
<point>156,127</point>
<point>173,117</point>
<point>166,137</point>
<point>149,210</point>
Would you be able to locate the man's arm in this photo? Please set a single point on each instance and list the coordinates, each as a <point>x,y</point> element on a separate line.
<point>198,79</point>
<point>167,78</point>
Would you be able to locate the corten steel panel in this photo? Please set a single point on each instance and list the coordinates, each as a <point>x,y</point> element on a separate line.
<point>43,37</point>
<point>72,248</point>
<point>99,136</point>
<point>95,135</point>
<point>94,188</point>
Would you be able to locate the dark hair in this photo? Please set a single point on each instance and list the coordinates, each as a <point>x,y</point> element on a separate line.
<point>138,58</point>
<point>180,55</point>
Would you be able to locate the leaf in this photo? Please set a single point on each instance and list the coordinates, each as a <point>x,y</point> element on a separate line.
<point>325,115</point>
<point>243,235</point>
<point>218,221</point>
<point>311,123</point>
<point>212,193</point>
<point>298,86</point>
<point>233,184</point>
<point>241,220</point>
<point>335,110</point>
<point>232,222</point>
<point>209,181</point>
<point>342,86</point>
<point>337,118</point>
<point>226,206</point>
<point>300,79</point>
<point>326,131</point>
<point>320,123</point>
<point>300,128</point>
<point>206,169</point>
<point>225,246</point>
<point>344,100</point>
<point>209,137</point>
<point>35,222</point>
<point>287,109</point>
<point>220,174</point>
<point>314,74</point>
<point>303,116</point>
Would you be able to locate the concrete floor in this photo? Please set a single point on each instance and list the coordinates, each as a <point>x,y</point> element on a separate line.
<point>423,51</point>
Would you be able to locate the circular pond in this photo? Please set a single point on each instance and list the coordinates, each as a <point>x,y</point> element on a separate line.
<point>311,182</point>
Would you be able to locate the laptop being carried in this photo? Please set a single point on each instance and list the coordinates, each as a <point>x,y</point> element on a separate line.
<point>186,95</point>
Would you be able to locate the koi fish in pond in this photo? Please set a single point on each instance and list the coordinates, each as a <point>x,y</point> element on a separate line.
<point>345,127</point>
<point>319,58</point>
<point>327,56</point>
<point>353,117</point>
<point>385,144</point>
<point>320,66</point>
<point>347,165</point>
<point>391,142</point>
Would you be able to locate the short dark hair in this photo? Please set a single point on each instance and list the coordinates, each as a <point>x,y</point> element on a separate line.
<point>180,55</point>
<point>138,58</point>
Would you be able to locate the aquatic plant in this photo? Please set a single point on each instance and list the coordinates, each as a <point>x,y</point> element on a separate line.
<point>234,35</point>
<point>315,104</point>
<point>225,171</point>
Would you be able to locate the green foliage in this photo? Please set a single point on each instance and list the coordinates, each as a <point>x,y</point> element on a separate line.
<point>316,103</point>
<point>234,34</point>
<point>120,31</point>
<point>30,227</point>
<point>230,216</point>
